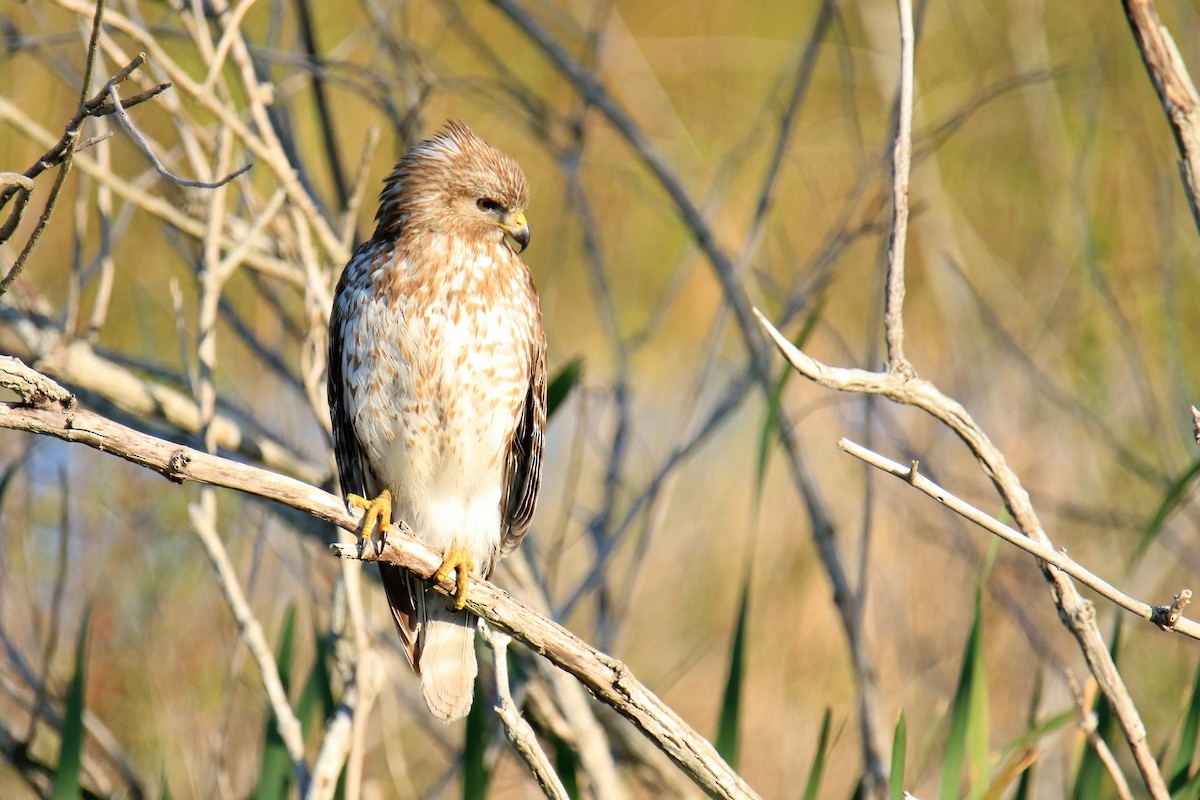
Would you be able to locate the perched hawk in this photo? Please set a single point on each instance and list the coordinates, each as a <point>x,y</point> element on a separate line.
<point>437,387</point>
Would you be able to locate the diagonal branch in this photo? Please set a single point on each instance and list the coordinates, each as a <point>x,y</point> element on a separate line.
<point>1175,90</point>
<point>1076,613</point>
<point>1168,617</point>
<point>50,410</point>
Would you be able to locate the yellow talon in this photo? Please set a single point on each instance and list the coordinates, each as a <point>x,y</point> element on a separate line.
<point>459,560</point>
<point>378,511</point>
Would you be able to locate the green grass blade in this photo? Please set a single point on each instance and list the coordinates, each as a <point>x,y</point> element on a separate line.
<point>731,702</point>
<point>475,771</point>
<point>275,770</point>
<point>818,765</point>
<point>978,723</point>
<point>1092,773</point>
<point>67,784</point>
<point>1187,741</point>
<point>561,385</point>
<point>1042,729</point>
<point>899,746</point>
<point>1170,500</point>
<point>1189,790</point>
<point>967,738</point>
<point>769,429</point>
<point>566,764</point>
<point>318,691</point>
<point>1020,757</point>
<point>1025,782</point>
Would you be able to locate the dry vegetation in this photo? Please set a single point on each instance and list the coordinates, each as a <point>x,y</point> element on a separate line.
<point>687,166</point>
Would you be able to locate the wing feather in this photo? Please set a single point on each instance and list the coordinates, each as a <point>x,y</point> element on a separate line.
<point>523,465</point>
<point>351,459</point>
<point>354,470</point>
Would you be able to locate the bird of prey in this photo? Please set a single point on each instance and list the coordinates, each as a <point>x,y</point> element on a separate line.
<point>437,387</point>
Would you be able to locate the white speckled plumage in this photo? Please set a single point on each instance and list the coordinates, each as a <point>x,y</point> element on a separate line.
<point>437,382</point>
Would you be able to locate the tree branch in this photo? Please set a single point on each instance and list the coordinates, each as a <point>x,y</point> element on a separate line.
<point>1167,617</point>
<point>1076,613</point>
<point>519,732</point>
<point>893,316</point>
<point>1175,90</point>
<point>50,410</point>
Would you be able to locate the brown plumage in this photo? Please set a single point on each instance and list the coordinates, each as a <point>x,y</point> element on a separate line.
<point>437,386</point>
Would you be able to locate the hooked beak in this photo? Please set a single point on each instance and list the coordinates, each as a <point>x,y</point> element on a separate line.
<point>519,231</point>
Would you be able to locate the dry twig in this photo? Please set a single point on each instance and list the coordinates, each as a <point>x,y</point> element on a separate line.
<point>1168,617</point>
<point>1175,90</point>
<point>520,734</point>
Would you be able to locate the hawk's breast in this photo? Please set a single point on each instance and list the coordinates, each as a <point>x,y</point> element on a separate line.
<point>438,353</point>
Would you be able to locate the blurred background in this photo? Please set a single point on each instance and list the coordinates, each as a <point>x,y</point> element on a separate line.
<point>1048,291</point>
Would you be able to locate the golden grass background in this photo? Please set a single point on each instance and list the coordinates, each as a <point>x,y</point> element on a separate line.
<point>1052,290</point>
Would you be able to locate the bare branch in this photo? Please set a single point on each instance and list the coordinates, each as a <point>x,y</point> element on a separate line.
<point>256,134</point>
<point>159,167</point>
<point>94,375</point>
<point>44,219</point>
<point>1077,614</point>
<point>893,317</point>
<point>1175,90</point>
<point>520,734</point>
<point>203,517</point>
<point>266,262</point>
<point>16,179</point>
<point>1166,617</point>
<point>1087,723</point>
<point>57,154</point>
<point>608,679</point>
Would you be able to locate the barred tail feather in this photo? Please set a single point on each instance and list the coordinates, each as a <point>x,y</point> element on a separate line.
<point>447,659</point>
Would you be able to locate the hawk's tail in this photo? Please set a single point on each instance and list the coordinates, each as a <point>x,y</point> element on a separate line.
<point>447,658</point>
<point>439,642</point>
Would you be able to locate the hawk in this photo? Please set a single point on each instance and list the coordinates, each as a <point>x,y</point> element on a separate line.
<point>437,387</point>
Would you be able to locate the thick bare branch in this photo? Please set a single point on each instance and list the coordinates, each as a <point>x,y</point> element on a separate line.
<point>53,412</point>
<point>94,375</point>
<point>608,679</point>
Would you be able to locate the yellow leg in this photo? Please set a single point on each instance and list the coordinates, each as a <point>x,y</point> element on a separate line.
<point>459,560</point>
<point>378,511</point>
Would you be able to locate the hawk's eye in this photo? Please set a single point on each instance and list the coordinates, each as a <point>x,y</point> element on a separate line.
<point>487,204</point>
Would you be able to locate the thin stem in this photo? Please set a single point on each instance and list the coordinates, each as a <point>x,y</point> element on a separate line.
<point>893,315</point>
<point>1157,614</point>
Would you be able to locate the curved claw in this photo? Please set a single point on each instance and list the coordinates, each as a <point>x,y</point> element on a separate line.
<point>459,560</point>
<point>378,511</point>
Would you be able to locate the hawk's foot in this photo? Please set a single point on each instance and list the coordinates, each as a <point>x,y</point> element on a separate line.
<point>378,511</point>
<point>459,559</point>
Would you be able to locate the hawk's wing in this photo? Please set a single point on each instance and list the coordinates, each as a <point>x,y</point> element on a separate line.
<point>354,470</point>
<point>523,465</point>
<point>352,466</point>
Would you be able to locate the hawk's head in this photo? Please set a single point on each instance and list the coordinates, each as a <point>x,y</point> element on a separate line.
<point>457,184</point>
